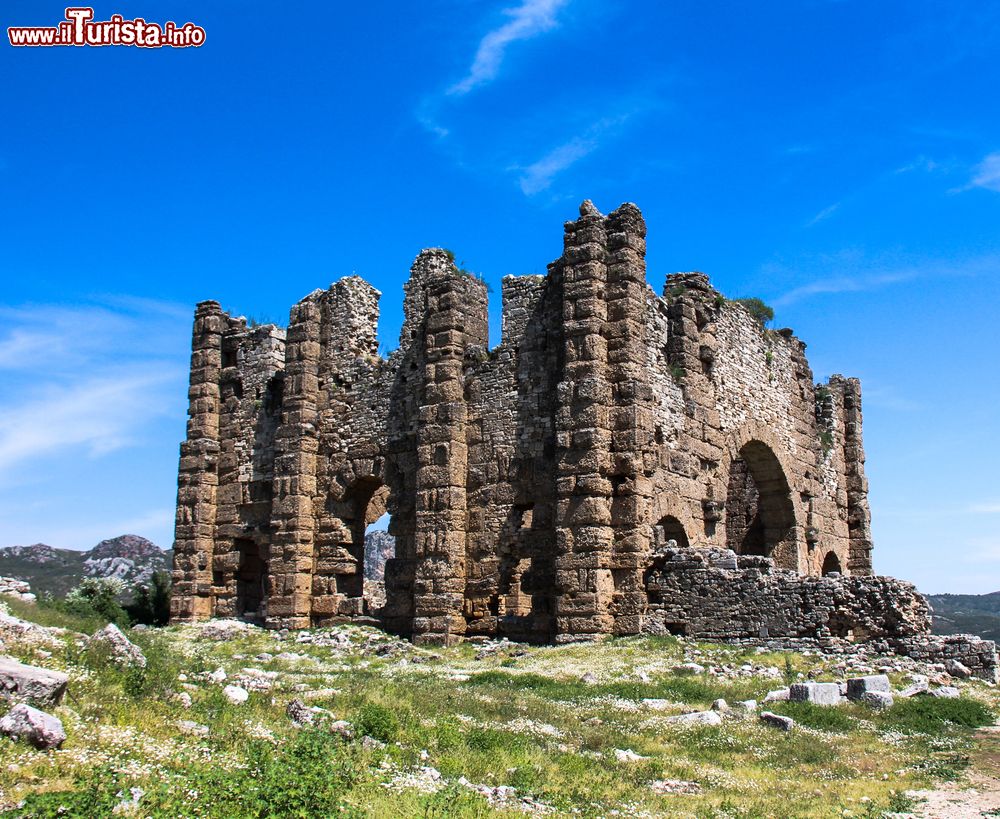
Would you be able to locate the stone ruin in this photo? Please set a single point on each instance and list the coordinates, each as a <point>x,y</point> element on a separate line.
<point>621,462</point>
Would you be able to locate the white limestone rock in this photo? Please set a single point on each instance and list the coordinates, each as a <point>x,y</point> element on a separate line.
<point>42,730</point>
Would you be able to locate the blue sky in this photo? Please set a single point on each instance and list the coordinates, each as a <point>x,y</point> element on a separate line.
<point>840,160</point>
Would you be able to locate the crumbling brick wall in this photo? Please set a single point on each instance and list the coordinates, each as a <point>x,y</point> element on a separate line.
<point>531,485</point>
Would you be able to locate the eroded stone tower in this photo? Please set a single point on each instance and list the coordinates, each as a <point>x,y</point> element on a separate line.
<point>620,462</point>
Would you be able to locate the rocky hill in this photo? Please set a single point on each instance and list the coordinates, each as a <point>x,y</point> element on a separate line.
<point>967,614</point>
<point>130,558</point>
<point>379,547</point>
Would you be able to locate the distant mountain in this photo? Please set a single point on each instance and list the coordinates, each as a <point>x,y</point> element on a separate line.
<point>966,613</point>
<point>130,558</point>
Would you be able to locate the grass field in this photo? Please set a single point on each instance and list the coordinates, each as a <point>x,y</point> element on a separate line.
<point>469,731</point>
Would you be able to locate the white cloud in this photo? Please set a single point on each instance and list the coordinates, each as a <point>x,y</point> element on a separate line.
<point>86,380</point>
<point>98,414</point>
<point>987,174</point>
<point>985,508</point>
<point>539,175</point>
<point>840,284</point>
<point>531,18</point>
<point>861,274</point>
<point>921,163</point>
<point>826,213</point>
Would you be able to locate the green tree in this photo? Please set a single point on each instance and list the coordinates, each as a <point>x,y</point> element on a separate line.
<point>151,603</point>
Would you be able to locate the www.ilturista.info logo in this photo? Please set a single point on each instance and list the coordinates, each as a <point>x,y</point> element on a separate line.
<point>80,29</point>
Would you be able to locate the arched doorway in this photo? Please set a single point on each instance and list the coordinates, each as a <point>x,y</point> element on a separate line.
<point>760,516</point>
<point>669,529</point>
<point>831,564</point>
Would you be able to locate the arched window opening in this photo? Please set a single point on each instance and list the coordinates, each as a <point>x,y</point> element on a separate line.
<point>831,564</point>
<point>669,533</point>
<point>760,517</point>
<point>379,547</point>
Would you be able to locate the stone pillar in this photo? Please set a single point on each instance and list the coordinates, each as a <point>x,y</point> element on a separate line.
<point>632,414</point>
<point>583,530</point>
<point>198,477</point>
<point>456,318</point>
<point>859,559</point>
<point>296,444</point>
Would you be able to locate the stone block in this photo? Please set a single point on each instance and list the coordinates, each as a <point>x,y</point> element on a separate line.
<point>815,692</point>
<point>857,687</point>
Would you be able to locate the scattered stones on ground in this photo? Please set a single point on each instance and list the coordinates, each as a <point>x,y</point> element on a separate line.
<point>697,718</point>
<point>815,692</point>
<point>857,687</point>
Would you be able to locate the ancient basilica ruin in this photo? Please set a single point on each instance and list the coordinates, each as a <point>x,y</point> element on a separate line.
<point>621,462</point>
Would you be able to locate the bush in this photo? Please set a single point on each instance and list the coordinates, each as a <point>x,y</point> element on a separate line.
<point>95,597</point>
<point>376,721</point>
<point>758,309</point>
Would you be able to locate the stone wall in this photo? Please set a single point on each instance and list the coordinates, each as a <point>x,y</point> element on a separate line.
<point>535,487</point>
<point>715,593</point>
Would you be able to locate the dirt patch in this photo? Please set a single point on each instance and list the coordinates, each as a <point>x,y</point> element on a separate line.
<point>979,794</point>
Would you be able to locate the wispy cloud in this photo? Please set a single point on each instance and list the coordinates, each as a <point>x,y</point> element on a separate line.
<point>986,174</point>
<point>863,275</point>
<point>888,397</point>
<point>921,163</point>
<point>538,176</point>
<point>840,284</point>
<point>985,508</point>
<point>87,380</point>
<point>824,214</point>
<point>98,414</point>
<point>531,18</point>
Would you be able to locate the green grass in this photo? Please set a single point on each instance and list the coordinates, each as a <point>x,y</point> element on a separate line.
<point>929,715</point>
<point>821,717</point>
<point>533,726</point>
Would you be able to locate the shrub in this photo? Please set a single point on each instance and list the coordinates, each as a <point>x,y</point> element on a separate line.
<point>377,722</point>
<point>758,309</point>
<point>96,597</point>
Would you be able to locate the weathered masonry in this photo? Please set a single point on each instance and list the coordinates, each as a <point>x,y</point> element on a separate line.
<point>620,462</point>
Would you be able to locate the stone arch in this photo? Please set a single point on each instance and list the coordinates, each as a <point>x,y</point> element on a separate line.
<point>762,511</point>
<point>831,564</point>
<point>668,512</point>
<point>356,496</point>
<point>667,529</point>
